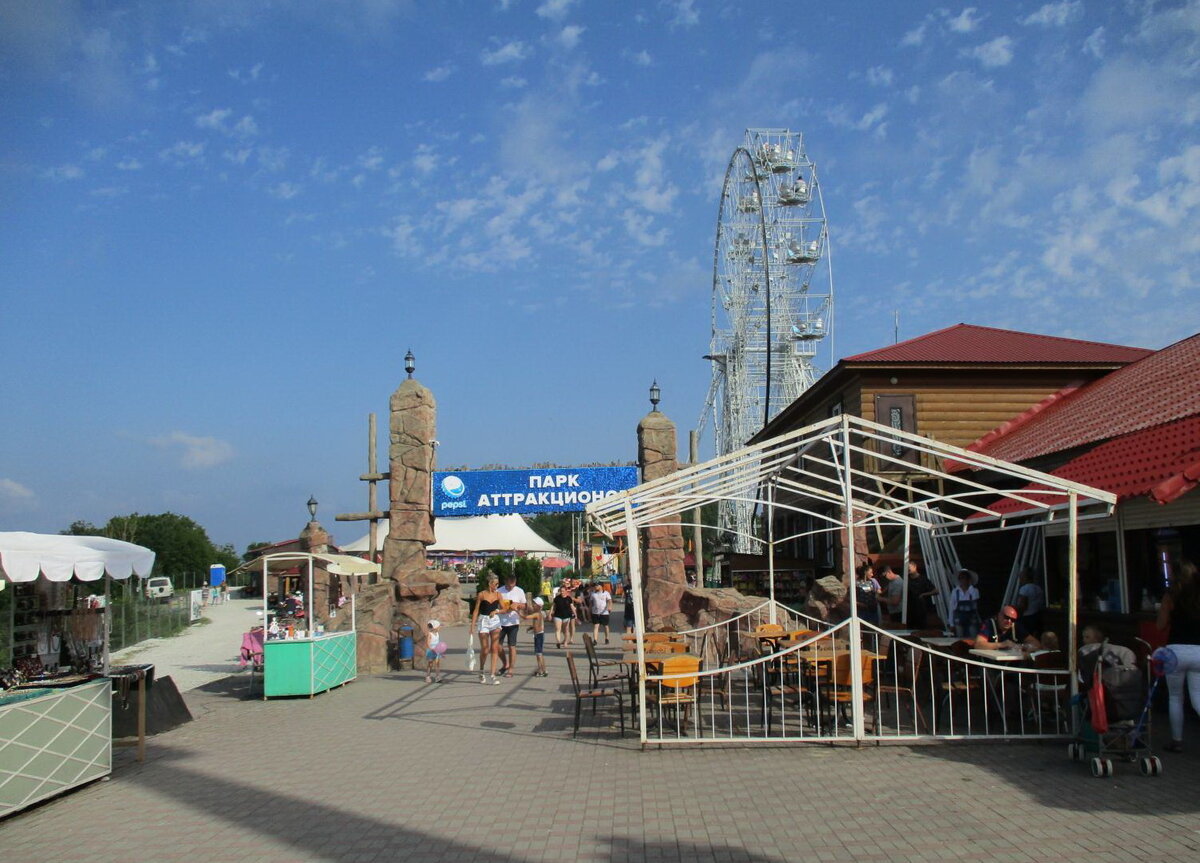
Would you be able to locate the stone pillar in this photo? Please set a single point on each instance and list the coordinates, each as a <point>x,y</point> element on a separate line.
<point>412,430</point>
<point>665,581</point>
<point>315,540</point>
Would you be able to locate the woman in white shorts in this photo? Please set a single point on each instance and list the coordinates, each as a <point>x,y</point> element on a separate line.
<point>486,621</point>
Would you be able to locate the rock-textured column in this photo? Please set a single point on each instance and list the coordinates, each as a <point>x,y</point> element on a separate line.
<point>412,430</point>
<point>665,581</point>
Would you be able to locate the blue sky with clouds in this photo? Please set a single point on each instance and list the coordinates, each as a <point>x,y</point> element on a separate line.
<point>225,222</point>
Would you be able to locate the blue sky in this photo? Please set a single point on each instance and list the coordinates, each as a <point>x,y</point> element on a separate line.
<point>225,222</point>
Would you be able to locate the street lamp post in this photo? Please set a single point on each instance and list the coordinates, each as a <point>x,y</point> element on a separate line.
<point>312,508</point>
<point>655,395</point>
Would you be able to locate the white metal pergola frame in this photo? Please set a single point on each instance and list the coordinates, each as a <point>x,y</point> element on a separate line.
<point>849,464</point>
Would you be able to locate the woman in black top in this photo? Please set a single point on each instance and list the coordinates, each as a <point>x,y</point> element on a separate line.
<point>486,621</point>
<point>1180,610</point>
<point>563,612</point>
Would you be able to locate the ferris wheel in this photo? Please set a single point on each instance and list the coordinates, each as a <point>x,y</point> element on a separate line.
<point>772,299</point>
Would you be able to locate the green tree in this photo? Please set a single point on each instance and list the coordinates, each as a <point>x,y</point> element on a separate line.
<point>529,575</point>
<point>181,546</point>
<point>253,547</point>
<point>554,527</point>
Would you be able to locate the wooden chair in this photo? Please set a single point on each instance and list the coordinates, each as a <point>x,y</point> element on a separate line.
<point>675,694</point>
<point>908,674</point>
<point>659,636</point>
<point>594,695</point>
<point>960,683</point>
<point>595,675</point>
<point>838,689</point>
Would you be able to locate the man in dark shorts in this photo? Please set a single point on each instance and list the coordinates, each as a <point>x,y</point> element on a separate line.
<point>512,607</point>
<point>600,601</point>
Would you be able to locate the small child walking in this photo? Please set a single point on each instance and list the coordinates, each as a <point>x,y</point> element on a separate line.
<point>434,648</point>
<point>538,628</point>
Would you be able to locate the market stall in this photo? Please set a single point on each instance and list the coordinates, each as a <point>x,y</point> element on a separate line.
<point>304,650</point>
<point>56,703</point>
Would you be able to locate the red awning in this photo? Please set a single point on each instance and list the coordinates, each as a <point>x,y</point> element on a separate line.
<point>555,563</point>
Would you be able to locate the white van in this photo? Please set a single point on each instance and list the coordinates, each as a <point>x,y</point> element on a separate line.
<point>159,587</point>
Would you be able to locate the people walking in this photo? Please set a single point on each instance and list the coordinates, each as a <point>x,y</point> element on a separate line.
<point>486,621</point>
<point>600,603</point>
<point>537,617</point>
<point>512,606</point>
<point>563,612</point>
<point>434,648</point>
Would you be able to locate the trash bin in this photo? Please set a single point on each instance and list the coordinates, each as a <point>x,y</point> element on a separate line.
<point>406,645</point>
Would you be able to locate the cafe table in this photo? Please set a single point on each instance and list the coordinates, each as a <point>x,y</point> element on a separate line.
<point>941,640</point>
<point>1002,655</point>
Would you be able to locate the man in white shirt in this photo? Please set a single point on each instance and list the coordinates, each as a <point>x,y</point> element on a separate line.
<point>600,601</point>
<point>512,607</point>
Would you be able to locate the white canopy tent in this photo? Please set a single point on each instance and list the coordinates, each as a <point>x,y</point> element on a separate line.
<point>25,556</point>
<point>477,534</point>
<point>845,473</point>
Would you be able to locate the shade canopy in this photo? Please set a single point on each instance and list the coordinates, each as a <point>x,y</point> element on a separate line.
<point>338,564</point>
<point>475,534</point>
<point>25,556</point>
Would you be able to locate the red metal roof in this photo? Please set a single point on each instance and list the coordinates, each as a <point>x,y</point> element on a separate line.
<point>1162,462</point>
<point>1152,392</point>
<point>967,343</point>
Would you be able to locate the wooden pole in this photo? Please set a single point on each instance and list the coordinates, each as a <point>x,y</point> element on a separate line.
<point>371,491</point>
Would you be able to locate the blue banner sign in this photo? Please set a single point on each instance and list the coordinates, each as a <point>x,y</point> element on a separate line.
<point>559,489</point>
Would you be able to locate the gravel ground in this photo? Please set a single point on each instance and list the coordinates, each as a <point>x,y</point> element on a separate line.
<point>204,652</point>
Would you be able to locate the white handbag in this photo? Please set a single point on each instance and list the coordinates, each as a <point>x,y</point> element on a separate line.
<point>472,656</point>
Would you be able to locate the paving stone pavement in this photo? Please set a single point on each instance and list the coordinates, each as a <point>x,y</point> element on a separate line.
<point>390,767</point>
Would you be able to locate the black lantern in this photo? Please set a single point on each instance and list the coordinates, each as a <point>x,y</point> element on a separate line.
<point>655,394</point>
<point>410,363</point>
<point>312,508</point>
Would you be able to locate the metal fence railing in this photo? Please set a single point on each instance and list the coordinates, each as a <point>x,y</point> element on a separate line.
<point>819,688</point>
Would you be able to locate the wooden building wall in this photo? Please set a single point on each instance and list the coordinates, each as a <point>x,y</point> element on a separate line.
<point>957,408</point>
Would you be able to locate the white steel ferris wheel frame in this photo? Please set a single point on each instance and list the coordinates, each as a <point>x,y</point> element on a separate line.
<point>772,298</point>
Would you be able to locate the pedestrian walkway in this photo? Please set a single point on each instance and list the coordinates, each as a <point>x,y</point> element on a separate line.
<point>390,767</point>
<point>202,653</point>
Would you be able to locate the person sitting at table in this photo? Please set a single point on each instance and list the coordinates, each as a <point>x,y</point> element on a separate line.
<point>1000,633</point>
<point>1049,640</point>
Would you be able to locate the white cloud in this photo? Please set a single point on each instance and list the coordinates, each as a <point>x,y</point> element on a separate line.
<point>12,491</point>
<point>129,164</point>
<point>195,452</point>
<point>880,76</point>
<point>1094,44</point>
<point>610,161</point>
<point>438,73</point>
<point>214,119</point>
<point>686,14</point>
<point>512,52</point>
<point>638,226</point>
<point>182,152</point>
<point>555,10</point>
<point>273,158</point>
<point>285,190</point>
<point>568,37</point>
<point>998,52</point>
<point>642,58</point>
<point>513,82</point>
<point>965,22</point>
<point>63,172</point>
<point>913,37</point>
<point>217,121</point>
<point>246,127</point>
<point>372,160</point>
<point>1055,14</point>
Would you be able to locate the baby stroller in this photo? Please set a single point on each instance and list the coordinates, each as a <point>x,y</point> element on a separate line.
<point>1113,721</point>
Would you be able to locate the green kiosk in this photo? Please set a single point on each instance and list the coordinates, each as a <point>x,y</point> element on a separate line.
<point>299,656</point>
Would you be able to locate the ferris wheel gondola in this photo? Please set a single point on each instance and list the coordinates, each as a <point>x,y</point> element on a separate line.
<point>772,298</point>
